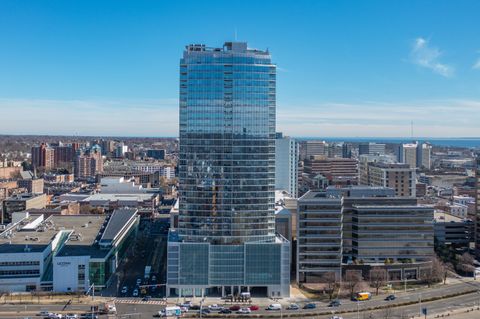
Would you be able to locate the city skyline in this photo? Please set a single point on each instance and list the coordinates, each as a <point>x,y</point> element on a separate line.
<point>345,69</point>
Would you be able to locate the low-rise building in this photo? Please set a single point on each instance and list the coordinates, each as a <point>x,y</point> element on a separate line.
<point>20,203</point>
<point>64,253</point>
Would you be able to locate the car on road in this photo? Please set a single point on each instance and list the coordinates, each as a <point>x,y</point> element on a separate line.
<point>293,306</point>
<point>88,316</point>
<point>146,298</point>
<point>235,308</point>
<point>124,289</point>
<point>335,303</point>
<point>254,307</point>
<point>205,311</point>
<point>225,311</point>
<point>310,306</point>
<point>194,307</point>
<point>187,304</point>
<point>71,316</point>
<point>244,310</point>
<point>390,297</point>
<point>336,317</point>
<point>135,292</point>
<point>55,316</point>
<point>45,313</point>
<point>139,281</point>
<point>215,307</point>
<point>184,309</point>
<point>274,306</point>
<point>154,278</point>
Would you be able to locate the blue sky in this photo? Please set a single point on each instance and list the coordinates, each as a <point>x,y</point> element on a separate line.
<point>346,68</point>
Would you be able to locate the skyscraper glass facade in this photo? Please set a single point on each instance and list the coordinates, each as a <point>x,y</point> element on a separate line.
<point>227,144</point>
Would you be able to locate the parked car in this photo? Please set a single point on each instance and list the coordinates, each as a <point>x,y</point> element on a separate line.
<point>146,298</point>
<point>124,289</point>
<point>293,306</point>
<point>244,310</point>
<point>139,281</point>
<point>89,316</point>
<point>390,297</point>
<point>310,306</point>
<point>335,303</point>
<point>194,307</point>
<point>135,292</point>
<point>274,306</point>
<point>205,311</point>
<point>235,308</point>
<point>254,307</point>
<point>225,311</point>
<point>45,313</point>
<point>184,309</point>
<point>71,316</point>
<point>336,317</point>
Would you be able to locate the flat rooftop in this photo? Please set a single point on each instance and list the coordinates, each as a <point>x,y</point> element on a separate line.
<point>19,240</point>
<point>140,197</point>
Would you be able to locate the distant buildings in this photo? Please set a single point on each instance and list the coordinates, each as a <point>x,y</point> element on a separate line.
<point>156,154</point>
<point>477,204</point>
<point>20,203</point>
<point>43,156</point>
<point>417,155</point>
<point>338,171</point>
<point>88,162</point>
<point>286,164</point>
<point>371,149</point>
<point>312,148</point>
<point>409,154</point>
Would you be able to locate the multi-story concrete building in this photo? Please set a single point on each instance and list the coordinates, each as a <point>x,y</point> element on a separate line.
<point>286,164</point>
<point>338,171</point>
<point>88,163</point>
<point>43,156</point>
<point>319,237</point>
<point>424,155</point>
<point>156,154</point>
<point>371,149</point>
<point>333,232</point>
<point>32,185</point>
<point>312,148</point>
<point>20,203</point>
<point>453,231</point>
<point>400,177</point>
<point>398,234</point>
<point>408,154</point>
<point>225,241</point>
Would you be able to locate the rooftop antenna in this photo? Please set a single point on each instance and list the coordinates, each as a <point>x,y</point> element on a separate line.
<point>411,129</point>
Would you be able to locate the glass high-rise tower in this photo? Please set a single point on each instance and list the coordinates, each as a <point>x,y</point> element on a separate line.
<point>227,174</point>
<point>227,144</point>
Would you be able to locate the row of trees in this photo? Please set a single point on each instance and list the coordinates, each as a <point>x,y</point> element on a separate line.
<point>353,280</point>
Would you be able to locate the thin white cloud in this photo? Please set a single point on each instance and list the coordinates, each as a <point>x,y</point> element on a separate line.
<point>428,57</point>
<point>476,66</point>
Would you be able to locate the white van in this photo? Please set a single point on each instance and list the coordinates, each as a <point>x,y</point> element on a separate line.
<point>170,312</point>
<point>275,306</point>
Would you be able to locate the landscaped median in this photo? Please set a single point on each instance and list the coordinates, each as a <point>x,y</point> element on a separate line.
<point>302,314</point>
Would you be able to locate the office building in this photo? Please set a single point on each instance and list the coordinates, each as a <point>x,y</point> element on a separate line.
<point>453,231</point>
<point>120,150</point>
<point>43,156</point>
<point>108,146</point>
<point>333,233</point>
<point>371,149</point>
<point>400,177</point>
<point>477,206</point>
<point>225,241</point>
<point>424,156</point>
<point>408,154</point>
<point>20,203</point>
<point>319,237</point>
<point>64,253</point>
<point>397,234</point>
<point>156,154</point>
<point>286,164</point>
<point>347,150</point>
<point>313,148</point>
<point>338,171</point>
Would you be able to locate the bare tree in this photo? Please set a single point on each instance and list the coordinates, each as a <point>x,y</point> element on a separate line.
<point>331,282</point>
<point>435,273</point>
<point>447,267</point>
<point>465,263</point>
<point>378,278</point>
<point>352,280</point>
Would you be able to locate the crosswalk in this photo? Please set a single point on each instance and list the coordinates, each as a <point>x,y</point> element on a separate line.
<point>140,301</point>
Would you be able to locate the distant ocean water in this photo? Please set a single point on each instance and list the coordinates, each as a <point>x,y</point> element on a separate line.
<point>470,142</point>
